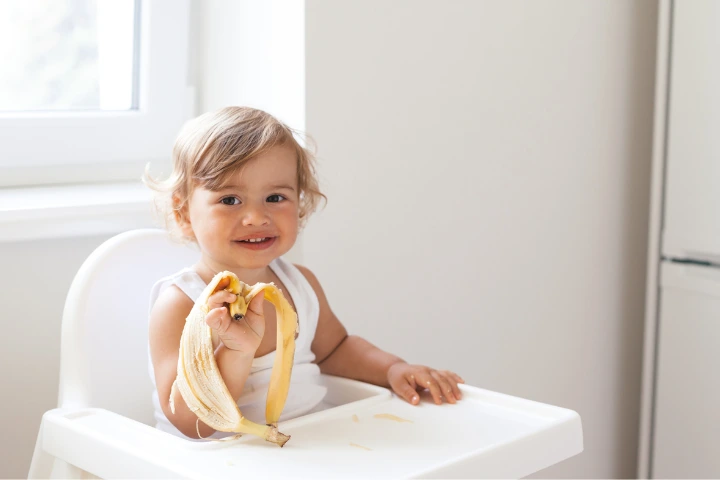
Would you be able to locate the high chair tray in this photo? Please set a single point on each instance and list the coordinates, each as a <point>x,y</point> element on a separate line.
<point>371,434</point>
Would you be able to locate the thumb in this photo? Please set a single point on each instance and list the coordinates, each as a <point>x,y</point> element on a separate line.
<point>406,391</point>
<point>254,317</point>
<point>222,284</point>
<point>255,307</point>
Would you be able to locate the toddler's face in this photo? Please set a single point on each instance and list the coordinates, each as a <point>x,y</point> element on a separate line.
<point>259,202</point>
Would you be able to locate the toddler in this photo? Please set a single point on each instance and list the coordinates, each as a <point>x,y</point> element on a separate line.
<point>241,189</point>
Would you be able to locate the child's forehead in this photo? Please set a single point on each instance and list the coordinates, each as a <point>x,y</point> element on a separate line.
<point>275,167</point>
<point>256,186</point>
<point>267,181</point>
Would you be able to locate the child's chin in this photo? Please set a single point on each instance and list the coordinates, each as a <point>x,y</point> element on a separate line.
<point>256,264</point>
<point>261,259</point>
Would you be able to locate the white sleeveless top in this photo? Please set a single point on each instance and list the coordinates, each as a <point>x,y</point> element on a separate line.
<point>305,391</point>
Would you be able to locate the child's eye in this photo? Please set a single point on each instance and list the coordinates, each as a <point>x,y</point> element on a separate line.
<point>230,201</point>
<point>275,198</point>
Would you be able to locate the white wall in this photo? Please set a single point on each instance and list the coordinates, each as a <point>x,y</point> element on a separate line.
<point>488,165</point>
<point>251,52</point>
<point>498,149</point>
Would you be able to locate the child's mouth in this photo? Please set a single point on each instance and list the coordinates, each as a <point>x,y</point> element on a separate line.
<point>257,243</point>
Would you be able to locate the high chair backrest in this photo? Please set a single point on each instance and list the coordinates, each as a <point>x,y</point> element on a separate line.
<point>104,342</point>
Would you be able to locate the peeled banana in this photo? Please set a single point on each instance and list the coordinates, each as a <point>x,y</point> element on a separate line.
<point>198,377</point>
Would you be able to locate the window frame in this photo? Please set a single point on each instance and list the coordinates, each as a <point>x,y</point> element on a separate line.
<point>39,148</point>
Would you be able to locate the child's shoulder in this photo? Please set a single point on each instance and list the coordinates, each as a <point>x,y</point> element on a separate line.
<point>166,323</point>
<point>312,280</point>
<point>326,318</point>
<point>170,294</point>
<point>170,301</point>
<point>307,273</point>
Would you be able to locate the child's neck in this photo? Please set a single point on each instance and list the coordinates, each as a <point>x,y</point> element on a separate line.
<point>207,270</point>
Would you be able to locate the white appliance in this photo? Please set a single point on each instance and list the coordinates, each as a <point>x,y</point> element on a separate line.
<point>680,414</point>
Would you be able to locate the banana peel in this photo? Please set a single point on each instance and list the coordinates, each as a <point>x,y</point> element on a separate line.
<point>198,376</point>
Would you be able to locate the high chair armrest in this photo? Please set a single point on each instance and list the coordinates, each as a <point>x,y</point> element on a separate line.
<point>109,445</point>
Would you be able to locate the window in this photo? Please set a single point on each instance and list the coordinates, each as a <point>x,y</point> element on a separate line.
<point>67,55</point>
<point>90,89</point>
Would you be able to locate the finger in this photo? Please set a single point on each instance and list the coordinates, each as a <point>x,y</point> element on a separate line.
<point>218,320</point>
<point>222,284</point>
<point>219,299</point>
<point>413,381</point>
<point>456,389</point>
<point>426,380</point>
<point>405,389</point>
<point>255,317</point>
<point>453,376</point>
<point>454,379</point>
<point>445,387</point>
<point>255,307</point>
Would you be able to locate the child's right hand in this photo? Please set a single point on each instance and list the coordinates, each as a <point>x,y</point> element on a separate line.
<point>240,335</point>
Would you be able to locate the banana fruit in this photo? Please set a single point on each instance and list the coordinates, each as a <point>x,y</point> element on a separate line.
<point>198,377</point>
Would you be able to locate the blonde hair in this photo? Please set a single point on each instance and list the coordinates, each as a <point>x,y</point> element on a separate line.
<point>211,147</point>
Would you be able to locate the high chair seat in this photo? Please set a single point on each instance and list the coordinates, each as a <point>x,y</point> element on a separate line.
<point>103,423</point>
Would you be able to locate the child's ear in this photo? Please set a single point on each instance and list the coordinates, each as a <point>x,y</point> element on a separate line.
<point>182,218</point>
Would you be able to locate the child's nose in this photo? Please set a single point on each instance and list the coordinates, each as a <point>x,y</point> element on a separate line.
<point>255,216</point>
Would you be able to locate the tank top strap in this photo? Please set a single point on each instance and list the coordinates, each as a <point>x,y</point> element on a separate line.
<point>186,280</point>
<point>190,283</point>
<point>306,302</point>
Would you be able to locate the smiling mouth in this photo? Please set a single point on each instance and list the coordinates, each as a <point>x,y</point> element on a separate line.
<point>259,243</point>
<point>255,241</point>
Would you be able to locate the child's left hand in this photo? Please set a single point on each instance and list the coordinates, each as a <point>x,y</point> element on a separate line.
<point>406,380</point>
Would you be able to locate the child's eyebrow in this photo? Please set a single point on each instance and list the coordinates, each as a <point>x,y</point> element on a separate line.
<point>282,186</point>
<point>271,187</point>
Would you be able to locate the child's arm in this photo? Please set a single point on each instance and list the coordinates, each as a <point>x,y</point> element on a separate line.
<point>234,355</point>
<point>350,356</point>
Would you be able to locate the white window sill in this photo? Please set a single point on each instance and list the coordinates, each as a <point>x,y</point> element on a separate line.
<point>74,210</point>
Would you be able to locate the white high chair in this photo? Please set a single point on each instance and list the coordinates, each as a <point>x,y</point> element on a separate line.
<point>103,424</point>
